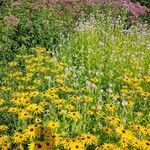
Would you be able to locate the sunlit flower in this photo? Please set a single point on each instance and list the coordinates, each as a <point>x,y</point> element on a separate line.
<point>74,115</point>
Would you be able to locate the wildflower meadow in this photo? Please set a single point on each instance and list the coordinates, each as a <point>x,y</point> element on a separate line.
<point>74,75</point>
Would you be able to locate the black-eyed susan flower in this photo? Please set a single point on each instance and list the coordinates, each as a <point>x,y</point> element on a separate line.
<point>76,145</point>
<point>108,131</point>
<point>124,133</point>
<point>23,115</point>
<point>70,107</point>
<point>20,147</point>
<point>89,138</point>
<point>38,120</point>
<point>5,146</point>
<point>32,131</point>
<point>137,143</point>
<point>59,79</point>
<point>53,124</point>
<point>110,107</point>
<point>74,115</point>
<point>3,127</point>
<point>49,144</point>
<point>37,145</point>
<point>4,139</point>
<point>124,143</point>
<point>87,98</point>
<point>15,110</point>
<point>109,146</point>
<point>18,137</point>
<point>35,109</point>
<point>115,121</point>
<point>145,144</point>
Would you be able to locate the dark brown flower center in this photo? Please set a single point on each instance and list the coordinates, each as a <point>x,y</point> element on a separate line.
<point>39,145</point>
<point>76,146</point>
<point>31,129</point>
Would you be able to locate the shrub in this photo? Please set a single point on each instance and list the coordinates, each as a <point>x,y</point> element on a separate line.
<point>143,2</point>
<point>30,24</point>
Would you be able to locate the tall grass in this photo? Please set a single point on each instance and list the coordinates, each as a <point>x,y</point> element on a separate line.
<point>107,41</point>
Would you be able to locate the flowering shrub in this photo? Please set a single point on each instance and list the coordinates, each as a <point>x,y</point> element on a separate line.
<point>136,9</point>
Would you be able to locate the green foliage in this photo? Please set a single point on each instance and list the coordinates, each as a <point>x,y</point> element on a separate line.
<point>146,18</point>
<point>36,27</point>
<point>98,45</point>
<point>41,26</point>
<point>6,40</point>
<point>143,2</point>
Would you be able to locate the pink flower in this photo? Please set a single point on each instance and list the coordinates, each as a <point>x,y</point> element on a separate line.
<point>12,20</point>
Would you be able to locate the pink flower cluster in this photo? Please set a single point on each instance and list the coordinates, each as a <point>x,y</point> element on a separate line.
<point>136,9</point>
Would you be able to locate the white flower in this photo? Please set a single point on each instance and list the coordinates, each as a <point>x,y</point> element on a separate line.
<point>124,103</point>
<point>93,86</point>
<point>148,45</point>
<point>89,84</point>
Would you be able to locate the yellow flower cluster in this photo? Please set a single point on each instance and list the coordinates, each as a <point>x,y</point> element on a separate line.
<point>41,109</point>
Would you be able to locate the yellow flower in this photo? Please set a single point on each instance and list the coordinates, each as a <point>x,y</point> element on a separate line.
<point>3,127</point>
<point>20,147</point>
<point>38,120</point>
<point>56,139</point>
<point>49,144</point>
<point>14,110</point>
<point>65,89</point>
<point>65,142</point>
<point>46,133</point>
<point>94,80</point>
<point>24,115</point>
<point>76,145</point>
<point>18,137</point>
<point>89,138</point>
<point>6,146</point>
<point>108,131</point>
<point>74,115</point>
<point>70,107</point>
<point>38,145</point>
<point>113,121</point>
<point>59,79</point>
<point>40,49</point>
<point>75,98</point>
<point>4,139</point>
<point>32,131</point>
<point>1,101</point>
<point>53,124</point>
<point>108,146</point>
<point>136,143</point>
<point>124,142</point>
<point>110,107</point>
<point>87,99</point>
<point>12,64</point>
<point>127,134</point>
<point>145,144</point>
<point>34,108</point>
